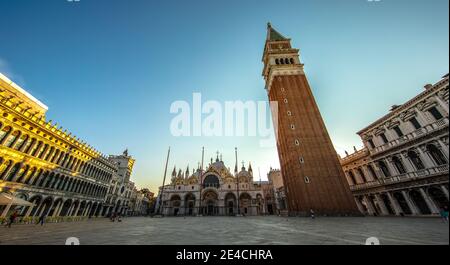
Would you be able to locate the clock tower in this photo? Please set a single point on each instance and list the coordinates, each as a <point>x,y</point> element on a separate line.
<point>312,175</point>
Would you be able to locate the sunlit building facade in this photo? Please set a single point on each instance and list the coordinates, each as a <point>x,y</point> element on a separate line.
<point>403,168</point>
<point>123,197</point>
<point>46,165</point>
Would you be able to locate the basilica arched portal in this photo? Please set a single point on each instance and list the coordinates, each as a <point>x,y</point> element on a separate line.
<point>230,203</point>
<point>175,204</point>
<point>210,202</point>
<point>189,204</point>
<point>245,201</point>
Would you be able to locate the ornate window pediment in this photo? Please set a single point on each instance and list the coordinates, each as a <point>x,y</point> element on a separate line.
<point>443,93</point>
<point>379,131</point>
<point>424,105</point>
<point>407,115</point>
<point>392,123</point>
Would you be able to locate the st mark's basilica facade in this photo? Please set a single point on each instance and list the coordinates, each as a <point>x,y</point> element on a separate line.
<point>217,192</point>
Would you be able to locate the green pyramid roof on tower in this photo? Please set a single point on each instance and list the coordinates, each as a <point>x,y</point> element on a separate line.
<point>273,35</point>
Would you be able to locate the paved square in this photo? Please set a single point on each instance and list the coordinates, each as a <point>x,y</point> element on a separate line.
<point>234,230</point>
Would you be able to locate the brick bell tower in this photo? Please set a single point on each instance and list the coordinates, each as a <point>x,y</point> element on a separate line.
<point>312,175</point>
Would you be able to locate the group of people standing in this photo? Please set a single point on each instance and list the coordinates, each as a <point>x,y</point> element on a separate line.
<point>116,216</point>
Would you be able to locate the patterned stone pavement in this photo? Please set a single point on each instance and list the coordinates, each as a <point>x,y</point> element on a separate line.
<point>234,230</point>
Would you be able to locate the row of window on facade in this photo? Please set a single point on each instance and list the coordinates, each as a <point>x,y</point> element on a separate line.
<point>434,112</point>
<point>40,178</point>
<point>296,141</point>
<point>437,156</point>
<point>115,190</point>
<point>16,140</point>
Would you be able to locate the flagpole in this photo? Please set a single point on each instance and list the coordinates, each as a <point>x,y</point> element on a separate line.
<point>239,207</point>
<point>259,173</point>
<point>201,183</point>
<point>164,182</point>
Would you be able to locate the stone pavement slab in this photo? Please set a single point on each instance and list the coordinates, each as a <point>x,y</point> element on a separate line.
<point>267,230</point>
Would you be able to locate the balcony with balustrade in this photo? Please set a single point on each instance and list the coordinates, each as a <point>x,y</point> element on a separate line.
<point>409,176</point>
<point>426,130</point>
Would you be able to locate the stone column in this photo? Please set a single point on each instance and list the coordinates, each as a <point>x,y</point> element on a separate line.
<point>87,210</point>
<point>444,106</point>
<point>108,210</point>
<point>410,203</point>
<point>18,173</point>
<point>77,209</point>
<point>360,206</point>
<point>30,209</point>
<point>397,209</point>
<point>359,178</point>
<point>64,159</point>
<point>32,146</point>
<point>99,210</point>
<point>422,118</point>
<point>94,210</point>
<point>45,153</point>
<point>444,148</point>
<point>57,157</point>
<point>55,212</point>
<point>383,208</point>
<point>263,202</point>
<point>38,206</point>
<point>8,170</point>
<point>38,150</point>
<point>50,208</point>
<point>6,210</point>
<point>426,159</point>
<point>349,180</point>
<point>34,177</point>
<point>6,136</point>
<point>40,210</point>
<point>391,167</point>
<point>379,174</point>
<point>27,176</point>
<point>367,173</point>
<point>370,207</point>
<point>25,143</point>
<point>390,135</point>
<point>83,213</point>
<point>70,210</point>
<point>407,162</point>
<point>444,190</point>
<point>433,208</point>
<point>60,209</point>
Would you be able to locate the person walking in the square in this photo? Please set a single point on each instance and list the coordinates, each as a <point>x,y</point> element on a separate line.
<point>12,218</point>
<point>313,216</point>
<point>113,217</point>
<point>42,219</point>
<point>444,214</point>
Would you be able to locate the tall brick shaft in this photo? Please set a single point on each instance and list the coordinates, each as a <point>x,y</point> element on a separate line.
<point>312,175</point>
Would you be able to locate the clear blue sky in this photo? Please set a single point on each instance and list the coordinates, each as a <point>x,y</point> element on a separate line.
<point>109,69</point>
